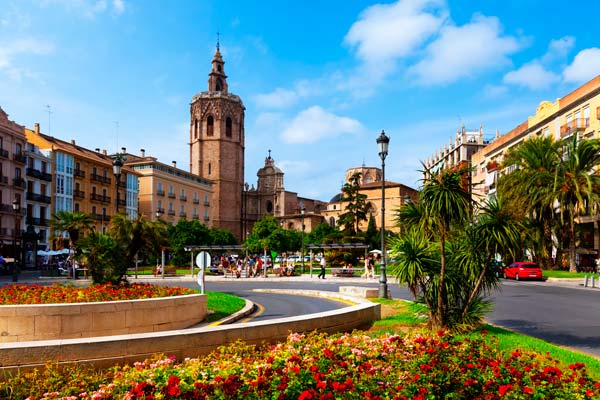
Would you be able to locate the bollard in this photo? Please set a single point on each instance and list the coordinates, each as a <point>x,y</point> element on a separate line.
<point>585,281</point>
<point>592,281</point>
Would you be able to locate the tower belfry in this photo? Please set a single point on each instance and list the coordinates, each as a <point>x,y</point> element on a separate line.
<point>217,147</point>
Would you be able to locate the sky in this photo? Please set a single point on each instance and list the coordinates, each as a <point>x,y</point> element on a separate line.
<point>319,79</point>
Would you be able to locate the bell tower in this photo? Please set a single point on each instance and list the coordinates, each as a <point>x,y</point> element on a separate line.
<point>217,147</point>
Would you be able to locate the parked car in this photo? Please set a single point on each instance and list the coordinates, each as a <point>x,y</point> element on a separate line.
<point>523,270</point>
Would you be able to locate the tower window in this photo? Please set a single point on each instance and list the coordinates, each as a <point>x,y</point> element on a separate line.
<point>228,127</point>
<point>219,85</point>
<point>196,129</point>
<point>219,68</point>
<point>209,168</point>
<point>210,122</point>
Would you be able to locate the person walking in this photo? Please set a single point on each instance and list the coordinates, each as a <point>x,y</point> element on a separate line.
<point>323,264</point>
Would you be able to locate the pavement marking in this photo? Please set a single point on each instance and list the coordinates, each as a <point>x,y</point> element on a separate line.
<point>259,312</point>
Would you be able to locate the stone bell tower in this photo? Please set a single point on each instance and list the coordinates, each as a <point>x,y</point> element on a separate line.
<point>217,146</point>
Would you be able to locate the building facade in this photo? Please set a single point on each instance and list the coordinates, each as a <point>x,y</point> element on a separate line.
<point>38,179</point>
<point>170,193</point>
<point>396,194</point>
<point>217,146</point>
<point>83,180</point>
<point>12,184</point>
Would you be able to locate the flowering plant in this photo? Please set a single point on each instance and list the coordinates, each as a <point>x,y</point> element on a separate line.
<point>341,366</point>
<point>36,294</point>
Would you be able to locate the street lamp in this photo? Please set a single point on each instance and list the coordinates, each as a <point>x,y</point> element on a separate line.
<point>16,205</point>
<point>302,211</point>
<point>117,165</point>
<point>382,142</point>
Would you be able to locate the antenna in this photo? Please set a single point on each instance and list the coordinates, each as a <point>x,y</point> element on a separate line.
<point>49,111</point>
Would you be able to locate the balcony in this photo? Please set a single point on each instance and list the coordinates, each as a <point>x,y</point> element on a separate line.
<point>4,153</point>
<point>36,221</point>
<point>100,198</point>
<point>196,201</point>
<point>492,166</point>
<point>160,210</point>
<point>79,173</point>
<point>19,183</point>
<point>79,194</point>
<point>38,197</point>
<point>576,125</point>
<point>160,193</point>
<point>19,157</point>
<point>171,195</point>
<point>206,218</point>
<point>182,214</point>
<point>183,198</point>
<point>122,202</point>
<point>101,217</point>
<point>171,212</point>
<point>100,178</point>
<point>36,173</point>
<point>3,180</point>
<point>206,203</point>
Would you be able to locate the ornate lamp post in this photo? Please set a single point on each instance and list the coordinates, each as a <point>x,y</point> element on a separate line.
<point>302,211</point>
<point>117,165</point>
<point>382,142</point>
<point>16,205</point>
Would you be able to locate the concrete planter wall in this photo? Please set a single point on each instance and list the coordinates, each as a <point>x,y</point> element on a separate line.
<point>82,320</point>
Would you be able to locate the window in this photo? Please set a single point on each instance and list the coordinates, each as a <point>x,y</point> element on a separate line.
<point>160,188</point>
<point>209,168</point>
<point>209,125</point>
<point>44,167</point>
<point>196,129</point>
<point>159,205</point>
<point>228,127</point>
<point>76,207</point>
<point>219,85</point>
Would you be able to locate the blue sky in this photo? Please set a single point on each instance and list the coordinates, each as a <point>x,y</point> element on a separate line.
<point>319,80</point>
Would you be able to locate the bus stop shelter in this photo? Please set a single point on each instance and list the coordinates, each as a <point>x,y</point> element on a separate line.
<point>334,246</point>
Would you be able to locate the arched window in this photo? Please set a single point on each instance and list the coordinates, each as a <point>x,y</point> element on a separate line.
<point>332,221</point>
<point>209,168</point>
<point>228,127</point>
<point>269,206</point>
<point>196,129</point>
<point>219,85</point>
<point>210,122</point>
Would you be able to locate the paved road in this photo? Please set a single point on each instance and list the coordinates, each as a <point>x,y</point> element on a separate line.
<point>562,313</point>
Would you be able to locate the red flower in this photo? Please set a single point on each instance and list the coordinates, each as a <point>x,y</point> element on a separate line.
<point>503,389</point>
<point>527,390</point>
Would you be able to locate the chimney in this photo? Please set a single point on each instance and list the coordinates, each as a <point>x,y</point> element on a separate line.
<point>36,128</point>
<point>97,149</point>
<point>104,153</point>
<point>174,164</point>
<point>143,152</point>
<point>123,150</point>
<point>73,142</point>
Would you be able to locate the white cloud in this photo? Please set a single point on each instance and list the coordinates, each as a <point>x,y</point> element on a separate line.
<point>388,31</point>
<point>494,91</point>
<point>532,75</point>
<point>463,51</point>
<point>295,167</point>
<point>314,124</point>
<point>9,52</point>
<point>88,8</point>
<point>118,7</point>
<point>584,67</point>
<point>558,48</point>
<point>284,98</point>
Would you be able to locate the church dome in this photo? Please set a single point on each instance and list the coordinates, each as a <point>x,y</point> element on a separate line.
<point>336,198</point>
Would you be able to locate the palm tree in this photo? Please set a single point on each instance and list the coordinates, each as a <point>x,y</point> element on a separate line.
<point>576,186</point>
<point>528,191</point>
<point>136,235</point>
<point>446,202</point>
<point>74,223</point>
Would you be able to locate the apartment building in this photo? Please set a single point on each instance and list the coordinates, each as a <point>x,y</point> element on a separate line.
<point>170,193</point>
<point>12,184</point>
<point>38,181</point>
<point>84,180</point>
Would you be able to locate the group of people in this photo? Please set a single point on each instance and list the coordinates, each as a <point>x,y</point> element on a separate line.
<point>253,264</point>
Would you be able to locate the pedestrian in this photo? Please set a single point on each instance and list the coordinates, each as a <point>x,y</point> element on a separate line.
<point>323,264</point>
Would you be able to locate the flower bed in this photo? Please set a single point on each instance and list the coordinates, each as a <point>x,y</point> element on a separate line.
<point>30,313</point>
<point>36,294</point>
<point>317,366</point>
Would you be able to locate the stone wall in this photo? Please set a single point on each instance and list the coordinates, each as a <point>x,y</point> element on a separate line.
<point>80,320</point>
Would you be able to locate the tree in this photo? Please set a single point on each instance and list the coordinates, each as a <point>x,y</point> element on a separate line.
<point>74,223</point>
<point>372,235</point>
<point>137,236</point>
<point>323,233</point>
<point>465,251</point>
<point>186,233</point>
<point>576,186</point>
<point>104,257</point>
<point>528,191</point>
<point>357,207</point>
<point>222,237</point>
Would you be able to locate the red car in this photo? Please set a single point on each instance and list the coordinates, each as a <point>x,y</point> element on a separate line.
<point>523,270</point>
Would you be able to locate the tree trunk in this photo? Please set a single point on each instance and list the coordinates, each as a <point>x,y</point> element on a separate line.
<point>440,317</point>
<point>572,265</point>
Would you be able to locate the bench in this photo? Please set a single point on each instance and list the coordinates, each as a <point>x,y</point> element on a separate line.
<point>343,273</point>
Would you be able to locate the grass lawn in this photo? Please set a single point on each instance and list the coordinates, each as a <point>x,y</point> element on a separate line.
<point>401,316</point>
<point>223,305</point>
<point>564,274</point>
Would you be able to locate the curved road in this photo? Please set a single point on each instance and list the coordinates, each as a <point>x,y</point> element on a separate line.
<point>568,316</point>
